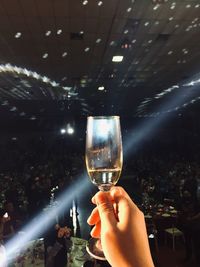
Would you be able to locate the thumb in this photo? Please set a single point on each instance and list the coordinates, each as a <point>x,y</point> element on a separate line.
<point>105,208</point>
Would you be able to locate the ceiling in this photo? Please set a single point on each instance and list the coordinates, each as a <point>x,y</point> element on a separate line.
<point>55,55</point>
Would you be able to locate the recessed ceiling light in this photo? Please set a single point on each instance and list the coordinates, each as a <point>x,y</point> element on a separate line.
<point>133,41</point>
<point>47,33</point>
<point>129,9</point>
<point>87,49</point>
<point>146,23</point>
<point>18,35</point>
<point>150,41</point>
<point>100,3</point>
<point>85,2</point>
<point>98,40</point>
<point>81,32</point>
<point>126,31</point>
<point>59,31</point>
<point>45,55</point>
<point>5,103</point>
<point>156,7</point>
<point>171,18</point>
<point>101,88</point>
<point>13,109</point>
<point>196,6</point>
<point>157,22</point>
<point>170,52</point>
<point>32,118</point>
<point>173,5</point>
<point>112,43</point>
<point>63,131</point>
<point>188,6</point>
<point>64,54</point>
<point>117,58</point>
<point>70,129</point>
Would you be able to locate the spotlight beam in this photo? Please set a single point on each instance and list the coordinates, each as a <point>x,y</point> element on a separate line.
<point>149,126</point>
<point>41,222</point>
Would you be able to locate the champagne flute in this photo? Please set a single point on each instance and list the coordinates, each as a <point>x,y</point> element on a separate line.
<point>103,161</point>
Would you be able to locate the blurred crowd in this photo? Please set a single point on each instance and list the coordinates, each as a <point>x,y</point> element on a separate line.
<point>31,175</point>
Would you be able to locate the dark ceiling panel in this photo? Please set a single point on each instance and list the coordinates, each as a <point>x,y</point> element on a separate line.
<point>72,45</point>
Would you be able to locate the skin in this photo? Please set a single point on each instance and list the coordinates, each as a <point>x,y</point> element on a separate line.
<point>121,226</point>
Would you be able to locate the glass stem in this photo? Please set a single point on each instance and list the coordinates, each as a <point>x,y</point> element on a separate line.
<point>105,187</point>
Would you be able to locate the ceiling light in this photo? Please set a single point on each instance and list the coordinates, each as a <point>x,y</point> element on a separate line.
<point>5,103</point>
<point>98,40</point>
<point>196,6</point>
<point>70,130</point>
<point>87,49</point>
<point>129,9</point>
<point>171,18</point>
<point>170,52</point>
<point>32,118</point>
<point>100,3</point>
<point>150,41</point>
<point>188,6</point>
<point>45,55</point>
<point>101,88</point>
<point>64,54</point>
<point>156,7</point>
<point>18,35</point>
<point>59,31</point>
<point>157,22</point>
<point>126,31</point>
<point>133,41</point>
<point>48,33</point>
<point>146,23</point>
<point>117,58</point>
<point>85,2</point>
<point>62,131</point>
<point>81,32</point>
<point>13,109</point>
<point>112,43</point>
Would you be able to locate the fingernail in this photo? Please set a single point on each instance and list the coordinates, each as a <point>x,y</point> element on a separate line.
<point>93,200</point>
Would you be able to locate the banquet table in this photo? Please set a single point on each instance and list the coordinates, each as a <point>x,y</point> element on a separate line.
<point>31,255</point>
<point>163,217</point>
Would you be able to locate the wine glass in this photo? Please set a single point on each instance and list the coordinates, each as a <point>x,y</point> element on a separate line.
<point>103,161</point>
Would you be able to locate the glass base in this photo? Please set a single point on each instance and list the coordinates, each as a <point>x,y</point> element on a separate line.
<point>94,249</point>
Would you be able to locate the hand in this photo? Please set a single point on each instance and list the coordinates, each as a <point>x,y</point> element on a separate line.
<point>121,226</point>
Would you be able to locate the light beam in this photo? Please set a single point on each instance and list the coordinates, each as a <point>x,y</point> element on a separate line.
<point>41,222</point>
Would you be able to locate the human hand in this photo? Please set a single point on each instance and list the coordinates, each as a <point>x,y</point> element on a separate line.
<point>121,226</point>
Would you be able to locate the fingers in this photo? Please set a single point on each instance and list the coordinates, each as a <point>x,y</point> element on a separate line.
<point>94,217</point>
<point>111,207</point>
<point>96,230</point>
<point>105,208</point>
<point>119,191</point>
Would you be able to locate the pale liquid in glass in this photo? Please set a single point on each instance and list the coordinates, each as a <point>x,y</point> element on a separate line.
<point>105,178</point>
